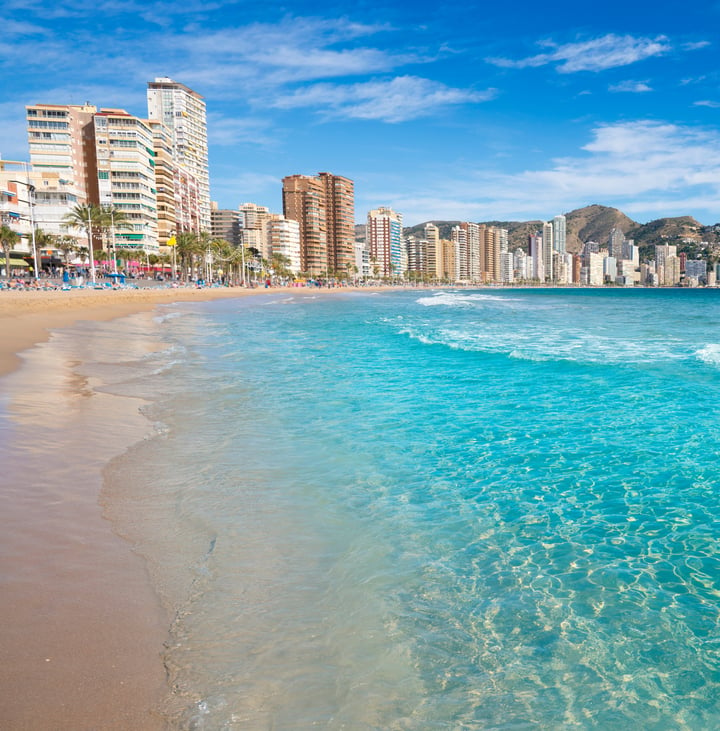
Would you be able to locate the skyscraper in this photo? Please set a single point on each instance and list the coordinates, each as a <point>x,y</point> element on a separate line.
<point>548,248</point>
<point>433,254</point>
<point>126,176</point>
<point>183,112</point>
<point>615,243</point>
<point>559,224</point>
<point>384,241</point>
<point>324,206</point>
<point>462,260</point>
<point>62,155</point>
<point>340,217</point>
<point>304,202</point>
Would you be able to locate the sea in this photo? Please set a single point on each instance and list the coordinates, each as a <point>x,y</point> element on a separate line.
<point>429,509</point>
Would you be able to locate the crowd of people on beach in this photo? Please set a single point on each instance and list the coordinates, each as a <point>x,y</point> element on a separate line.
<point>108,281</point>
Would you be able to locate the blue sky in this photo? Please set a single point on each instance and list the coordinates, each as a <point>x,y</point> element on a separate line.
<point>473,111</point>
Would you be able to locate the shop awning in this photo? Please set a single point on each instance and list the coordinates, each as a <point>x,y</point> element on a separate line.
<point>14,263</point>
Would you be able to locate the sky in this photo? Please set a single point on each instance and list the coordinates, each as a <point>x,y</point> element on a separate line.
<point>474,111</point>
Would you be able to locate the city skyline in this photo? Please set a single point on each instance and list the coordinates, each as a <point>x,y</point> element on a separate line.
<point>521,116</point>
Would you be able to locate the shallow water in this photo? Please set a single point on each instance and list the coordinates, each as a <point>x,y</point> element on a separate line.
<point>481,510</point>
<point>81,629</point>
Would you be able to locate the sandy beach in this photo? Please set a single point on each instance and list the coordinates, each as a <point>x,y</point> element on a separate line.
<point>27,317</point>
<point>83,630</point>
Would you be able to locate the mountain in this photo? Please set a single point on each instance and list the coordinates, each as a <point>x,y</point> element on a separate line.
<point>594,223</point>
<point>682,227</point>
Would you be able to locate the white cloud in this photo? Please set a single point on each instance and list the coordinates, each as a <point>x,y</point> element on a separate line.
<point>630,86</point>
<point>647,167</point>
<point>598,54</point>
<point>393,100</point>
<point>292,50</point>
<point>230,131</point>
<point>696,46</point>
<point>707,103</point>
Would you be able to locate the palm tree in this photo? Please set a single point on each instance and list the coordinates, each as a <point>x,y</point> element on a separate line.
<point>85,216</point>
<point>280,264</point>
<point>43,240</point>
<point>186,247</point>
<point>222,254</point>
<point>8,239</point>
<point>66,244</point>
<point>112,218</point>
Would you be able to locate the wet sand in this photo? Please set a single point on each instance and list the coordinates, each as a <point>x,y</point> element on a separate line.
<point>82,628</point>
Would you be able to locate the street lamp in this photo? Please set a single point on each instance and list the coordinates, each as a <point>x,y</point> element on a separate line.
<point>29,201</point>
<point>112,233</point>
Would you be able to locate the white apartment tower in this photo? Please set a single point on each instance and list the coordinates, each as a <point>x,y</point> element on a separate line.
<point>183,112</point>
<point>62,159</point>
<point>547,248</point>
<point>559,224</point>
<point>284,239</point>
<point>126,176</point>
<point>384,241</point>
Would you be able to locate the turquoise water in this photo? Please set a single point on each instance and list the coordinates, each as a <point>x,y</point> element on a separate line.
<point>435,510</point>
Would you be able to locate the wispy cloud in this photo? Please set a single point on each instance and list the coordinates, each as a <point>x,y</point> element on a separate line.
<point>695,46</point>
<point>292,50</point>
<point>634,87</point>
<point>608,51</point>
<point>394,100</point>
<point>641,166</point>
<point>231,131</point>
<point>708,103</point>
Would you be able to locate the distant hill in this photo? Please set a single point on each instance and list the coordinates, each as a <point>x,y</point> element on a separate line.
<point>419,230</point>
<point>594,223</point>
<point>682,227</point>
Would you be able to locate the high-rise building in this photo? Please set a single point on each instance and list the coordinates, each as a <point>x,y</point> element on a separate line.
<point>616,239</point>
<point>183,113</point>
<point>324,206</point>
<point>538,258</point>
<point>225,224</point>
<point>62,157</point>
<point>384,241</point>
<point>433,254</point>
<point>462,258</point>
<point>284,239</point>
<point>253,227</point>
<point>447,266</point>
<point>495,240</point>
<point>304,202</point>
<point>164,182</point>
<point>559,224</point>
<point>548,247</point>
<point>126,176</point>
<point>340,218</point>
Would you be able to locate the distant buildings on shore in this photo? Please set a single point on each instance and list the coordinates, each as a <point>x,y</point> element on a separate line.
<point>153,174</point>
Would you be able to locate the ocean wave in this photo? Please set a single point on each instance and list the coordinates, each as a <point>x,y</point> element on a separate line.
<point>461,299</point>
<point>575,346</point>
<point>710,354</point>
<point>165,316</point>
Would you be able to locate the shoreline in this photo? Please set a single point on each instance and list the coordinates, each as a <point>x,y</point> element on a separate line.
<point>28,317</point>
<point>83,623</point>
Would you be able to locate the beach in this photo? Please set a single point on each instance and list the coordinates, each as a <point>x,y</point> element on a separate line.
<point>83,629</point>
<point>376,509</point>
